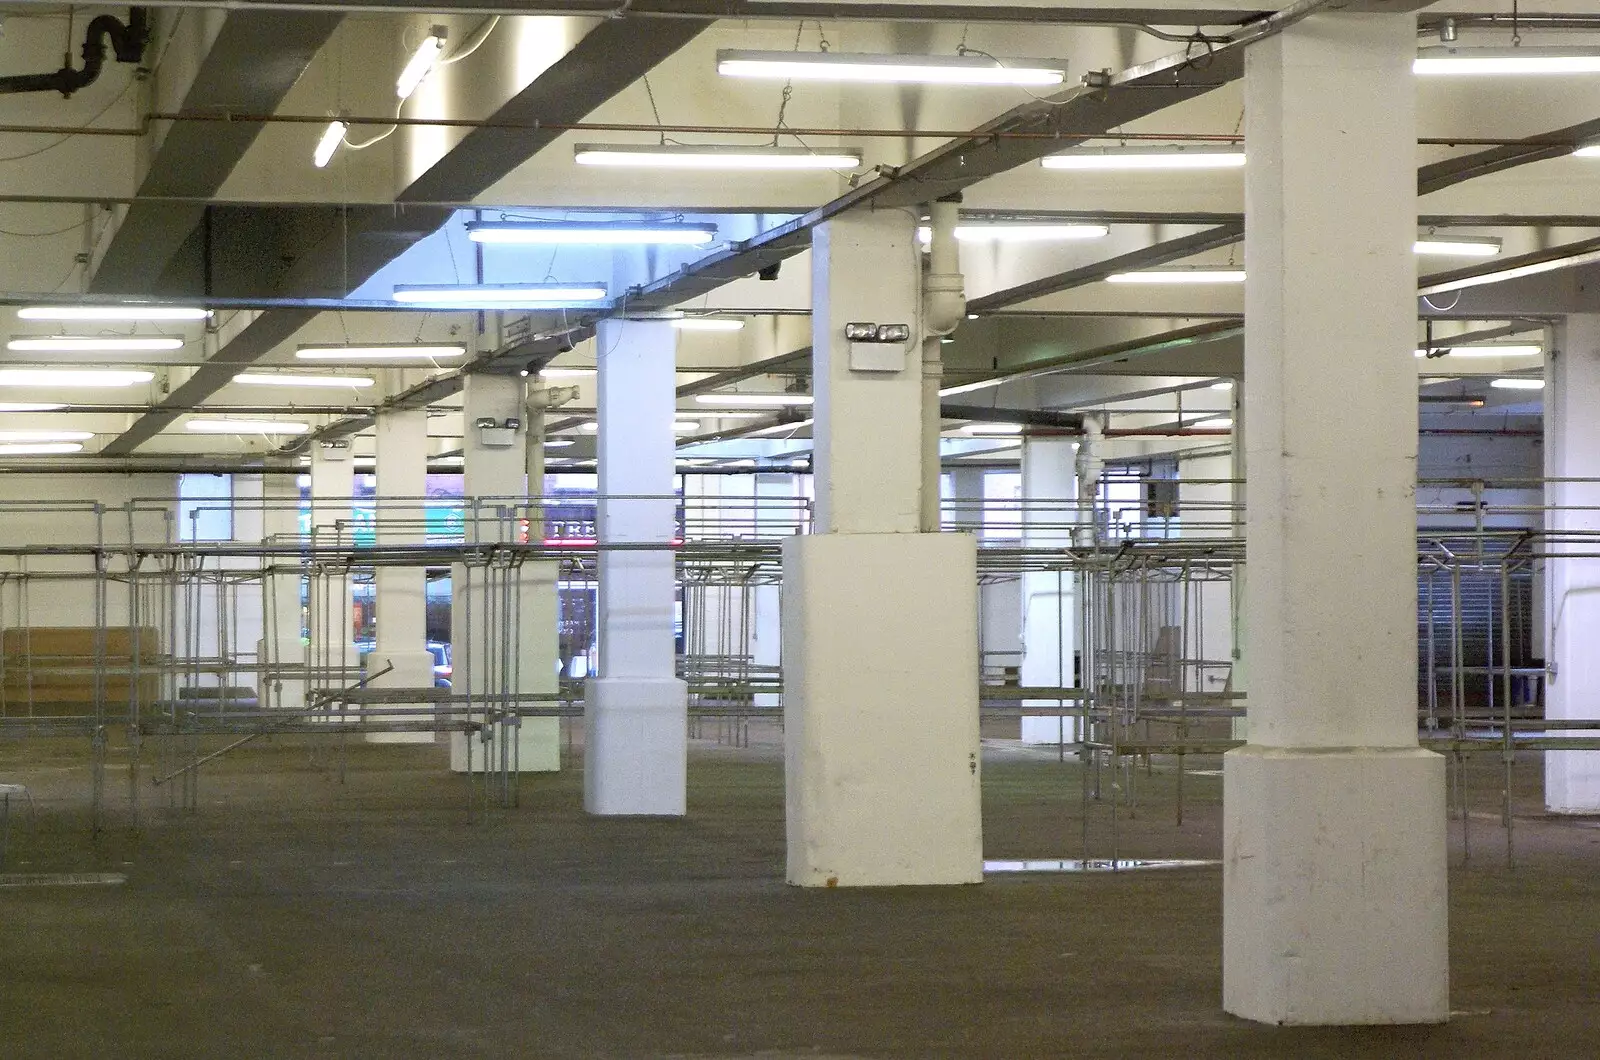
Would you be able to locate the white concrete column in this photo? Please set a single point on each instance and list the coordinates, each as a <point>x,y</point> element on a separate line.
<point>880,649</point>
<point>331,613</point>
<point>401,606</point>
<point>281,648</point>
<point>635,710</point>
<point>1572,451</point>
<point>502,618</point>
<point>1334,819</point>
<point>1049,598</point>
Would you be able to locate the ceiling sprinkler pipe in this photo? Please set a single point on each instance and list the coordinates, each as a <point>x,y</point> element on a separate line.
<point>127,43</point>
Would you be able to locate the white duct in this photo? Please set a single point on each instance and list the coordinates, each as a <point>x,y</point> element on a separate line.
<point>944,306</point>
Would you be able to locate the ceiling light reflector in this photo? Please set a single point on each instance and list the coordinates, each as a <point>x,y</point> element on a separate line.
<point>112,313</point>
<point>1183,276</point>
<point>591,233</point>
<point>890,69</point>
<point>332,137</point>
<point>72,377</point>
<point>93,344</point>
<point>498,295</point>
<point>1132,159</point>
<point>1518,60</point>
<point>713,157</point>
<point>230,426</point>
<point>421,62</point>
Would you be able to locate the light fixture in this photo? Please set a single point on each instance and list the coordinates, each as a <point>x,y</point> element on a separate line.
<point>31,406</point>
<point>1513,272</point>
<point>566,373</point>
<point>967,388</point>
<point>1132,159</point>
<point>1019,232</point>
<point>1214,422</point>
<point>966,69</point>
<point>558,443</point>
<point>1588,150</point>
<point>717,157</point>
<point>1456,247</point>
<point>401,351</point>
<point>233,426</point>
<point>77,377</point>
<point>420,63</point>
<point>1517,60</point>
<point>736,414</point>
<point>1518,384</point>
<point>1222,384</point>
<point>1189,276</point>
<point>285,379</point>
<point>45,436</point>
<point>754,400</point>
<point>40,449</point>
<point>1510,349</point>
<point>780,428</point>
<point>332,137</point>
<point>708,323</point>
<point>498,295</point>
<point>93,344</point>
<point>112,313</point>
<point>685,426</point>
<point>992,428</point>
<point>591,233</point>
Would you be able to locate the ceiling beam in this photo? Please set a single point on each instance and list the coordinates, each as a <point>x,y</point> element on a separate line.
<point>607,59</point>
<point>253,62</point>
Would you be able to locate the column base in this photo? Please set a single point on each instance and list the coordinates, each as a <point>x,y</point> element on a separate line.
<point>880,661</point>
<point>635,746</point>
<point>1572,779</point>
<point>537,748</point>
<point>412,669</point>
<point>1334,903</point>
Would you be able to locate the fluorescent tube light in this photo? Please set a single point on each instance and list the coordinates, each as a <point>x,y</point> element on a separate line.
<point>685,426</point>
<point>332,137</point>
<point>714,157</point>
<point>1518,384</point>
<point>41,449</point>
<point>93,344</point>
<point>1510,349</point>
<point>31,406</point>
<point>1222,384</point>
<point>967,388</point>
<point>45,436</point>
<point>558,443</point>
<point>1125,159</point>
<point>708,323</point>
<point>1515,272</point>
<point>566,373</point>
<point>1019,232</point>
<point>992,428</point>
<point>754,400</point>
<point>1218,422</point>
<point>1588,150</point>
<point>498,295</point>
<point>1439,246</point>
<point>285,379</point>
<point>890,69</point>
<point>79,377</point>
<point>421,62</point>
<point>127,313</point>
<point>1191,276</point>
<point>1519,60</point>
<point>230,426</point>
<point>379,352</point>
<point>591,233</point>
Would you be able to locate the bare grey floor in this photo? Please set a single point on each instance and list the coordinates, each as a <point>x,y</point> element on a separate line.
<point>294,916</point>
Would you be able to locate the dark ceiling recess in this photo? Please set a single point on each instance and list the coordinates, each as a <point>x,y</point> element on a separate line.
<point>127,44</point>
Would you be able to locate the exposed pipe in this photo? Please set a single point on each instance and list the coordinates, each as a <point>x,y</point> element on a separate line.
<point>944,306</point>
<point>127,43</point>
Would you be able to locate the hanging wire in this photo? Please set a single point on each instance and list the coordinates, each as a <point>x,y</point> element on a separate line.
<point>655,111</point>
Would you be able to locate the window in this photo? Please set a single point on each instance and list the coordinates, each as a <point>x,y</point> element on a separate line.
<point>1002,506</point>
<point>205,507</point>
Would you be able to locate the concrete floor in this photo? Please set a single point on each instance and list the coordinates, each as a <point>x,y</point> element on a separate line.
<point>297,917</point>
